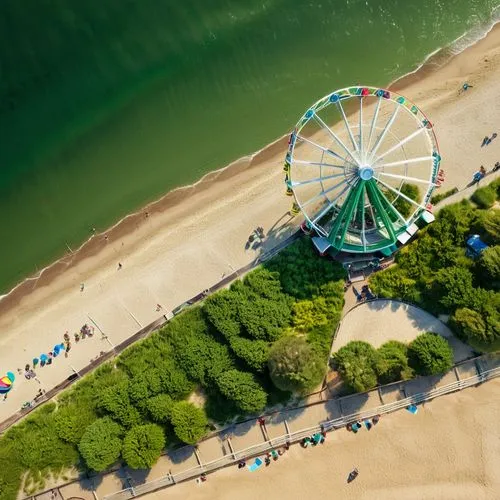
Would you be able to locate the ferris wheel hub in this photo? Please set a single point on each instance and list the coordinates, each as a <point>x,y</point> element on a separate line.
<point>365,172</point>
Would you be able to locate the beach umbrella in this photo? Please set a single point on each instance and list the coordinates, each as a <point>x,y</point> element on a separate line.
<point>11,376</point>
<point>43,358</point>
<point>5,384</point>
<point>35,361</point>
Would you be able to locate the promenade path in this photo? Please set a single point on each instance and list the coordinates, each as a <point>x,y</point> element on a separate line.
<point>381,320</point>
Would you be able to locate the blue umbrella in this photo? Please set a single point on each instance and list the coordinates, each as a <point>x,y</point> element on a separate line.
<point>43,358</point>
<point>56,350</point>
<point>11,376</point>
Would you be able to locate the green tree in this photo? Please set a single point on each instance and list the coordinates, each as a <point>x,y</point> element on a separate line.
<point>430,354</point>
<point>453,287</point>
<point>254,353</point>
<point>489,265</point>
<point>356,364</point>
<point>72,420</point>
<point>143,445</point>
<point>391,363</point>
<point>264,319</point>
<point>189,421</point>
<point>309,314</point>
<point>242,388</point>
<point>294,366</point>
<point>101,444</point>
<point>199,354</point>
<point>302,272</point>
<point>116,402</point>
<point>160,407</point>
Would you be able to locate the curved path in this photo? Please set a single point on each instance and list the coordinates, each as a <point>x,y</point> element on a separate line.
<point>381,320</point>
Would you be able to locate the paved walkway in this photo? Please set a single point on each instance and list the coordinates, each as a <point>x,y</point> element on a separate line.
<point>381,320</point>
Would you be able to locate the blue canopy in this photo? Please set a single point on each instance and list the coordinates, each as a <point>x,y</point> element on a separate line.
<point>476,245</point>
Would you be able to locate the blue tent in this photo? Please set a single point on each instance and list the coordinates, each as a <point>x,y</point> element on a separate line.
<point>475,245</point>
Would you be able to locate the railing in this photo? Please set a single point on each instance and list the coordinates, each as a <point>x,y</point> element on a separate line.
<point>329,425</point>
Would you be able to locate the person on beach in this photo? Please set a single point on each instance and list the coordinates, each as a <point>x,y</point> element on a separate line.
<point>353,475</point>
<point>82,287</point>
<point>465,87</point>
<point>496,166</point>
<point>119,265</point>
<point>485,141</point>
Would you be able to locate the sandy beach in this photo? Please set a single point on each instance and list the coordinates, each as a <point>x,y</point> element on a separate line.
<point>448,451</point>
<point>189,240</point>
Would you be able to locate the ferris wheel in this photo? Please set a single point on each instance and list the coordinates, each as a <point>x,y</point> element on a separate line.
<point>362,164</point>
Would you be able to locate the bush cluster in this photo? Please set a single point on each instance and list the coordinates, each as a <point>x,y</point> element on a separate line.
<point>435,272</point>
<point>362,367</point>
<point>275,325</point>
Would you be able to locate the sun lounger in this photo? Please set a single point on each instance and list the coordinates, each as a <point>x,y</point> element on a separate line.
<point>412,409</point>
<point>255,465</point>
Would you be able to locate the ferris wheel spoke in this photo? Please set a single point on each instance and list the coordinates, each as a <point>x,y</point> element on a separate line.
<point>330,205</point>
<point>404,177</point>
<point>336,138</point>
<point>323,193</point>
<point>325,150</point>
<point>374,121</point>
<point>399,193</point>
<point>386,129</point>
<point>346,123</point>
<point>403,162</point>
<point>317,163</point>
<point>402,142</point>
<point>318,179</point>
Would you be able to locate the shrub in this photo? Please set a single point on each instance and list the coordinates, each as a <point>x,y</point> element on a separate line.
<point>294,366</point>
<point>489,265</point>
<point>101,444</point>
<point>356,364</point>
<point>242,388</point>
<point>72,420</point>
<point>116,402</point>
<point>392,362</point>
<point>430,354</point>
<point>160,407</point>
<point>441,196</point>
<point>189,422</point>
<point>453,287</point>
<point>200,355</point>
<point>302,272</point>
<point>36,443</point>
<point>484,197</point>
<point>143,445</point>
<point>481,328</point>
<point>254,353</point>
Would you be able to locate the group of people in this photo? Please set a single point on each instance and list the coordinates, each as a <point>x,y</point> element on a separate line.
<point>47,359</point>
<point>481,173</point>
<point>487,140</point>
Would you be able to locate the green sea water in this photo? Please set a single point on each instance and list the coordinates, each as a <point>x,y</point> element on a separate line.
<point>108,104</point>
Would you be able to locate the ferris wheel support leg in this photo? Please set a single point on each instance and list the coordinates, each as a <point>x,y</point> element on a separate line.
<point>345,215</point>
<point>375,200</point>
